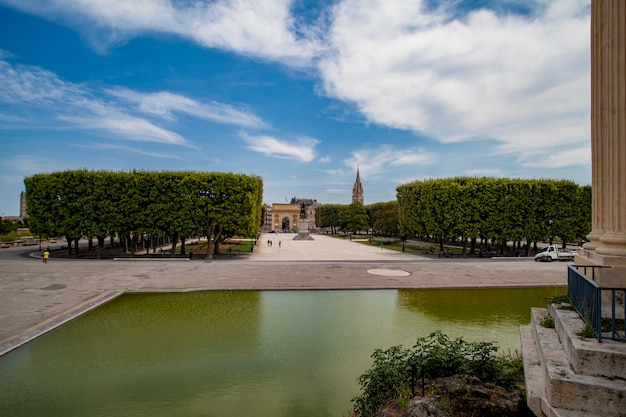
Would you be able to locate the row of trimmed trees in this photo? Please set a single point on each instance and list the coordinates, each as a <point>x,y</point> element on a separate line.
<point>380,218</point>
<point>130,205</point>
<point>495,210</point>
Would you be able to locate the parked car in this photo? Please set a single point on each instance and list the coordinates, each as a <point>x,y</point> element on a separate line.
<point>554,253</point>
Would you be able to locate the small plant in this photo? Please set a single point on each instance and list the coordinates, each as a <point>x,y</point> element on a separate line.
<point>588,331</point>
<point>404,403</point>
<point>547,321</point>
<point>558,299</point>
<point>466,387</point>
<point>446,407</point>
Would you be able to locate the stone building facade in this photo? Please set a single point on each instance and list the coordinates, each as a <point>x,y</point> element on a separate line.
<point>285,217</point>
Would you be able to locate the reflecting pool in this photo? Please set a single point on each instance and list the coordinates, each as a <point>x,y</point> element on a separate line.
<point>241,353</point>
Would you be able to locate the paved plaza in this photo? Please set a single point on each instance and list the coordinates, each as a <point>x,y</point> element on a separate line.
<point>37,297</point>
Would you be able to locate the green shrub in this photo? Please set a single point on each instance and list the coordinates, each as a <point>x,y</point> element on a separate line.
<point>394,369</point>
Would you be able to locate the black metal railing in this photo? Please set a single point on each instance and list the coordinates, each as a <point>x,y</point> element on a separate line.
<point>587,297</point>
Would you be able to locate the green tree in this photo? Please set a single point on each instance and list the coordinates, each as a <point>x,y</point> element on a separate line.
<point>327,215</point>
<point>353,218</point>
<point>384,218</point>
<point>143,204</point>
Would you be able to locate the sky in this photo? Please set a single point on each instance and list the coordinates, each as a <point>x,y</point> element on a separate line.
<point>298,92</point>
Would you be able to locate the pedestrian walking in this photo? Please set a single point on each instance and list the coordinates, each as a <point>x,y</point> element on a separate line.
<point>46,254</point>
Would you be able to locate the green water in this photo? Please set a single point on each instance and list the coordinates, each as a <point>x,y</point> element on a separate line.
<point>243,353</point>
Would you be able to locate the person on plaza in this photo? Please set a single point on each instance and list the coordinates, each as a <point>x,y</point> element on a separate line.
<point>46,255</point>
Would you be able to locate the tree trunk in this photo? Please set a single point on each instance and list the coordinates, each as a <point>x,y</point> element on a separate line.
<point>210,227</point>
<point>182,246</point>
<point>174,242</point>
<point>69,245</point>
<point>133,244</point>
<point>100,247</point>
<point>216,241</point>
<point>77,248</point>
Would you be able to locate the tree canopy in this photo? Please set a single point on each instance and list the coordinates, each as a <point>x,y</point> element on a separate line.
<point>499,210</point>
<point>79,203</point>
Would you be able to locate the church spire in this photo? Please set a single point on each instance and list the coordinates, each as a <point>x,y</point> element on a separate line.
<point>357,190</point>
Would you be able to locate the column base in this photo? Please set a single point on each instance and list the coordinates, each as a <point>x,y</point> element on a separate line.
<point>615,276</point>
<point>612,244</point>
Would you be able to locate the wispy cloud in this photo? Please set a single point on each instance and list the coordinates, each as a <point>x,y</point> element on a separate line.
<point>76,106</point>
<point>167,105</point>
<point>484,172</point>
<point>259,28</point>
<point>575,156</point>
<point>302,149</point>
<point>128,127</point>
<point>128,149</point>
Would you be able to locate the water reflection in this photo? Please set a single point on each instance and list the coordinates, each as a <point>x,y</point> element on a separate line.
<point>476,306</point>
<point>247,353</point>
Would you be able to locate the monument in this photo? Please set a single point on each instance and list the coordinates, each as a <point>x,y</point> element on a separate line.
<point>303,231</point>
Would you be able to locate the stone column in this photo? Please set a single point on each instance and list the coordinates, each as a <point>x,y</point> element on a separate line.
<point>607,241</point>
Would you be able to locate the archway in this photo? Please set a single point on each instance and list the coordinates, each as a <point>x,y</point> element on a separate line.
<point>285,223</point>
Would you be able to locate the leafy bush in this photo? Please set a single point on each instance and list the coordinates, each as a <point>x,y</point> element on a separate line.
<point>394,369</point>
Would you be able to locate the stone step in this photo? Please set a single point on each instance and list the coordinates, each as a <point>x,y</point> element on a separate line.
<point>534,377</point>
<point>564,388</point>
<point>549,411</point>
<point>588,356</point>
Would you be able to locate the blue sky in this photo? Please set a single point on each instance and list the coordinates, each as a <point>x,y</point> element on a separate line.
<point>298,92</point>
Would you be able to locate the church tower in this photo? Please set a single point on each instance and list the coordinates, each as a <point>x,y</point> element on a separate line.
<point>357,190</point>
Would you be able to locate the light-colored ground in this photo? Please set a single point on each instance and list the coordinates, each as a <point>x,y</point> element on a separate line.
<point>36,297</point>
<point>323,248</point>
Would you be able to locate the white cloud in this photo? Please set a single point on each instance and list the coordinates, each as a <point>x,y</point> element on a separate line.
<point>374,161</point>
<point>34,85</point>
<point>484,172</point>
<point>128,149</point>
<point>129,128</point>
<point>75,106</point>
<point>568,157</point>
<point>523,81</point>
<point>302,149</point>
<point>262,28</point>
<point>165,104</point>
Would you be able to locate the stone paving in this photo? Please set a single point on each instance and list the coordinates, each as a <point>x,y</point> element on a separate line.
<point>37,297</point>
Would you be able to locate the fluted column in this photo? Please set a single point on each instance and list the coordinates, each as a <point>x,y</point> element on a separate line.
<point>598,151</point>
<point>608,128</point>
